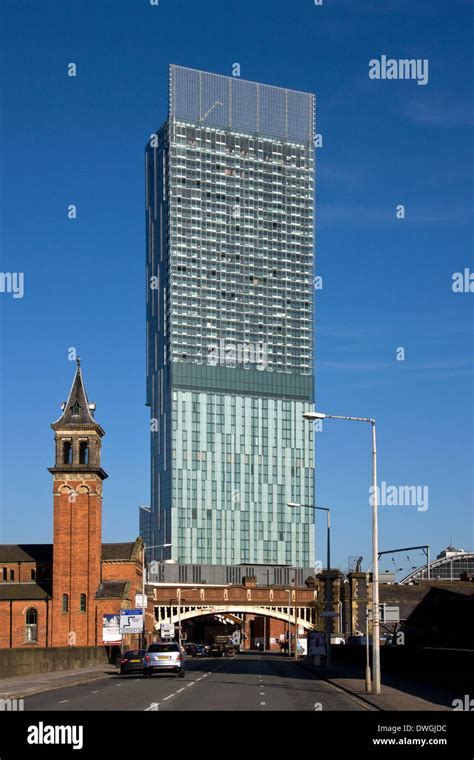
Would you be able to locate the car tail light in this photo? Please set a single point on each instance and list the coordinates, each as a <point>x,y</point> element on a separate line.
<point>123,660</point>
<point>147,658</point>
<point>179,657</point>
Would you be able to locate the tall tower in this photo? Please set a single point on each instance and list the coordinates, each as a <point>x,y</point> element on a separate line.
<point>77,533</point>
<point>230,217</point>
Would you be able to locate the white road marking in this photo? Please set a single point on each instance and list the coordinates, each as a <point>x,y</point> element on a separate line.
<point>169,697</point>
<point>199,679</point>
<point>262,693</point>
<point>179,690</point>
<point>63,701</point>
<point>95,692</point>
<point>263,703</point>
<point>153,706</point>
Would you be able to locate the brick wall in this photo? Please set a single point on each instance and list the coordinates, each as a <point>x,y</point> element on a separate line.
<point>13,623</point>
<point>76,559</point>
<point>39,660</point>
<point>22,571</point>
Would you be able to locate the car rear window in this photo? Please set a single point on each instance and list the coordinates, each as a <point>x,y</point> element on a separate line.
<point>163,648</point>
<point>133,653</point>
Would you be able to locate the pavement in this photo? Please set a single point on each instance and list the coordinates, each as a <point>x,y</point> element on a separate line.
<point>24,686</point>
<point>396,694</point>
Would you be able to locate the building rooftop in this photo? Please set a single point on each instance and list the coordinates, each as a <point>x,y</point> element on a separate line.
<point>44,552</point>
<point>220,101</point>
<point>26,552</point>
<point>113,589</point>
<point>27,591</point>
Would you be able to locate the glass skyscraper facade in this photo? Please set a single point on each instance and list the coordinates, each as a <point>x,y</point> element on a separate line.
<point>229,222</point>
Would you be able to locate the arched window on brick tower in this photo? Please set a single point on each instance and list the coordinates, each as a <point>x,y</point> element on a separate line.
<point>83,603</point>
<point>67,452</point>
<point>83,452</point>
<point>65,603</point>
<point>31,625</point>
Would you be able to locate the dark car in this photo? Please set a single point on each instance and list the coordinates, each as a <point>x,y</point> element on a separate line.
<point>358,641</point>
<point>132,661</point>
<point>164,656</point>
<point>199,650</point>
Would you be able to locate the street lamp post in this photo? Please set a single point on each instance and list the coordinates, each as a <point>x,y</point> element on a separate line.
<point>375,544</point>
<point>296,614</point>
<point>145,547</point>
<point>328,618</point>
<point>368,683</point>
<point>289,621</point>
<point>179,618</point>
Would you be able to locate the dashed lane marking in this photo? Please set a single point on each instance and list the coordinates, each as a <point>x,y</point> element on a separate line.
<point>168,697</point>
<point>63,701</point>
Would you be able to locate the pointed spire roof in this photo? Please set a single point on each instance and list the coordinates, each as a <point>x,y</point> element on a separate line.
<point>77,410</point>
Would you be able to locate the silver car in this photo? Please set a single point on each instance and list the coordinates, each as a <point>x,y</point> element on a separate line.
<point>164,656</point>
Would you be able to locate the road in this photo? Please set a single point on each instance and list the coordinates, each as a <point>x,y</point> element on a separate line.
<point>250,681</point>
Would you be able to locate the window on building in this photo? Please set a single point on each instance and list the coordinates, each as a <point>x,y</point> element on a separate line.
<point>84,452</point>
<point>83,603</point>
<point>33,574</point>
<point>4,574</point>
<point>12,575</point>
<point>76,408</point>
<point>31,625</point>
<point>65,603</point>
<point>67,452</point>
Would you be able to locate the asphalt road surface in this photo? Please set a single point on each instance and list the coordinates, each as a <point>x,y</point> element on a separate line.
<point>254,682</point>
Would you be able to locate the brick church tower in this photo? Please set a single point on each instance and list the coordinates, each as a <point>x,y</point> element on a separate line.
<point>77,548</point>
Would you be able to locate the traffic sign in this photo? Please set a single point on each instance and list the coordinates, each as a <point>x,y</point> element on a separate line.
<point>131,621</point>
<point>167,631</point>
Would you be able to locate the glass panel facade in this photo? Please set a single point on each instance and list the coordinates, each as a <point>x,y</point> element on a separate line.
<point>230,217</point>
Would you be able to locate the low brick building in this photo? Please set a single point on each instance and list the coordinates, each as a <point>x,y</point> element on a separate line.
<point>54,595</point>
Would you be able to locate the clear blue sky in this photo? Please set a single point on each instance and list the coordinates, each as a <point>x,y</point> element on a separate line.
<point>387,282</point>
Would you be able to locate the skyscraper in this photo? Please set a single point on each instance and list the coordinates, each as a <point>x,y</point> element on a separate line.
<point>229,272</point>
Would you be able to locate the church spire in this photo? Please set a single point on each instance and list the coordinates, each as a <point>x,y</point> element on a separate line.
<point>77,411</point>
<point>77,434</point>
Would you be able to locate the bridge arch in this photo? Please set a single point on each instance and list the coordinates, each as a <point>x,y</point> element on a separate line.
<point>167,614</point>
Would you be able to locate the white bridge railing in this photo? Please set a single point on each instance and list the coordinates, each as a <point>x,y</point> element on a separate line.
<point>174,613</point>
